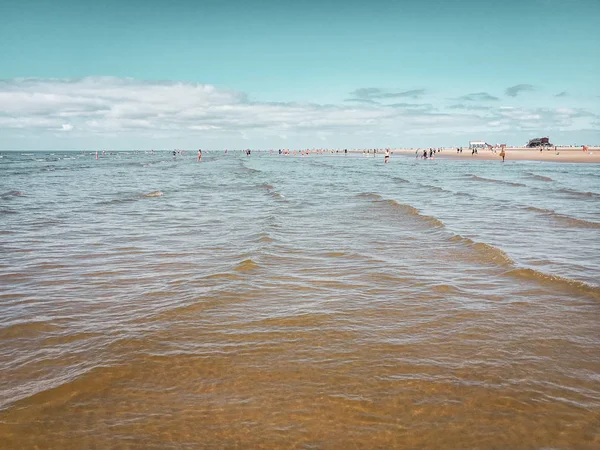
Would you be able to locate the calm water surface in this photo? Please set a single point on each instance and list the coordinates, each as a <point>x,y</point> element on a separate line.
<point>326,302</point>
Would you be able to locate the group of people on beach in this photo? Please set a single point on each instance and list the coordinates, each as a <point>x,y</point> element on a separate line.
<point>427,155</point>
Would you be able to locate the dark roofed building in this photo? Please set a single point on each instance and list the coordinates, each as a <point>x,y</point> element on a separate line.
<point>539,142</point>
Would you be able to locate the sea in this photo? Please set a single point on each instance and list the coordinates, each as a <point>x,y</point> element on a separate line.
<point>322,302</point>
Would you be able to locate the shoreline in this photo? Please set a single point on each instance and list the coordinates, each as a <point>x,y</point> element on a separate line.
<point>560,154</point>
<point>565,154</point>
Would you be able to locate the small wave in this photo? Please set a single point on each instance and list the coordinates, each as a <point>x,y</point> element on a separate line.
<point>267,186</point>
<point>491,180</point>
<point>445,289</point>
<point>265,238</point>
<point>412,211</point>
<point>246,265</point>
<point>429,187</point>
<point>538,177</point>
<point>488,252</point>
<point>13,193</point>
<point>335,254</point>
<point>117,200</point>
<point>494,254</point>
<point>26,330</point>
<point>54,390</point>
<point>400,180</point>
<point>370,195</point>
<point>556,281</point>
<point>567,220</point>
<point>7,211</point>
<point>153,194</point>
<point>276,194</point>
<point>579,194</point>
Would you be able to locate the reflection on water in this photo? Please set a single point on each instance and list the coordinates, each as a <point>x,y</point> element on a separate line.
<point>280,302</point>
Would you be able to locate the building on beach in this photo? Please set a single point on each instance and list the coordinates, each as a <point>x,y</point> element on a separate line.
<point>539,142</point>
<point>477,144</point>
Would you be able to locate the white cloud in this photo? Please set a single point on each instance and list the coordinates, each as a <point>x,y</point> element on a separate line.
<point>133,112</point>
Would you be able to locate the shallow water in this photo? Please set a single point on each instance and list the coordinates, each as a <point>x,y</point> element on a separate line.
<point>281,302</point>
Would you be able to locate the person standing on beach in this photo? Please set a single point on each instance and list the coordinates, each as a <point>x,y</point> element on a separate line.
<point>503,154</point>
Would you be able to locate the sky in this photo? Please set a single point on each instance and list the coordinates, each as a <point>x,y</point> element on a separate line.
<point>297,74</point>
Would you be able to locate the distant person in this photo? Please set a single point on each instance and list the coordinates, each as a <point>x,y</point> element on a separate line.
<point>345,151</point>
<point>174,153</point>
<point>425,154</point>
<point>502,154</point>
<point>199,155</point>
<point>387,155</point>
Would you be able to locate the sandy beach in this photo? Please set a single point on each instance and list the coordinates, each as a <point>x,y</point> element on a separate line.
<point>564,154</point>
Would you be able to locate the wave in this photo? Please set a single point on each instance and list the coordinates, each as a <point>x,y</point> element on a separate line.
<point>400,180</point>
<point>487,252</point>
<point>564,219</point>
<point>116,200</point>
<point>271,191</point>
<point>430,187</point>
<point>406,209</point>
<point>370,195</point>
<point>579,194</point>
<point>13,193</point>
<point>538,177</point>
<point>246,265</point>
<point>76,380</point>
<point>335,254</point>
<point>153,194</point>
<point>265,238</point>
<point>7,211</point>
<point>27,329</point>
<point>491,180</point>
<point>494,255</point>
<point>412,211</point>
<point>556,281</point>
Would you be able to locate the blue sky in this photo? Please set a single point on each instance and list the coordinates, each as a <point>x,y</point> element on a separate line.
<point>297,74</point>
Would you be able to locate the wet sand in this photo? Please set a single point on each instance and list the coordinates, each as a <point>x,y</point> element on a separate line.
<point>520,154</point>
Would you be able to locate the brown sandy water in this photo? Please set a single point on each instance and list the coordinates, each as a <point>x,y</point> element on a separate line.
<point>316,303</point>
